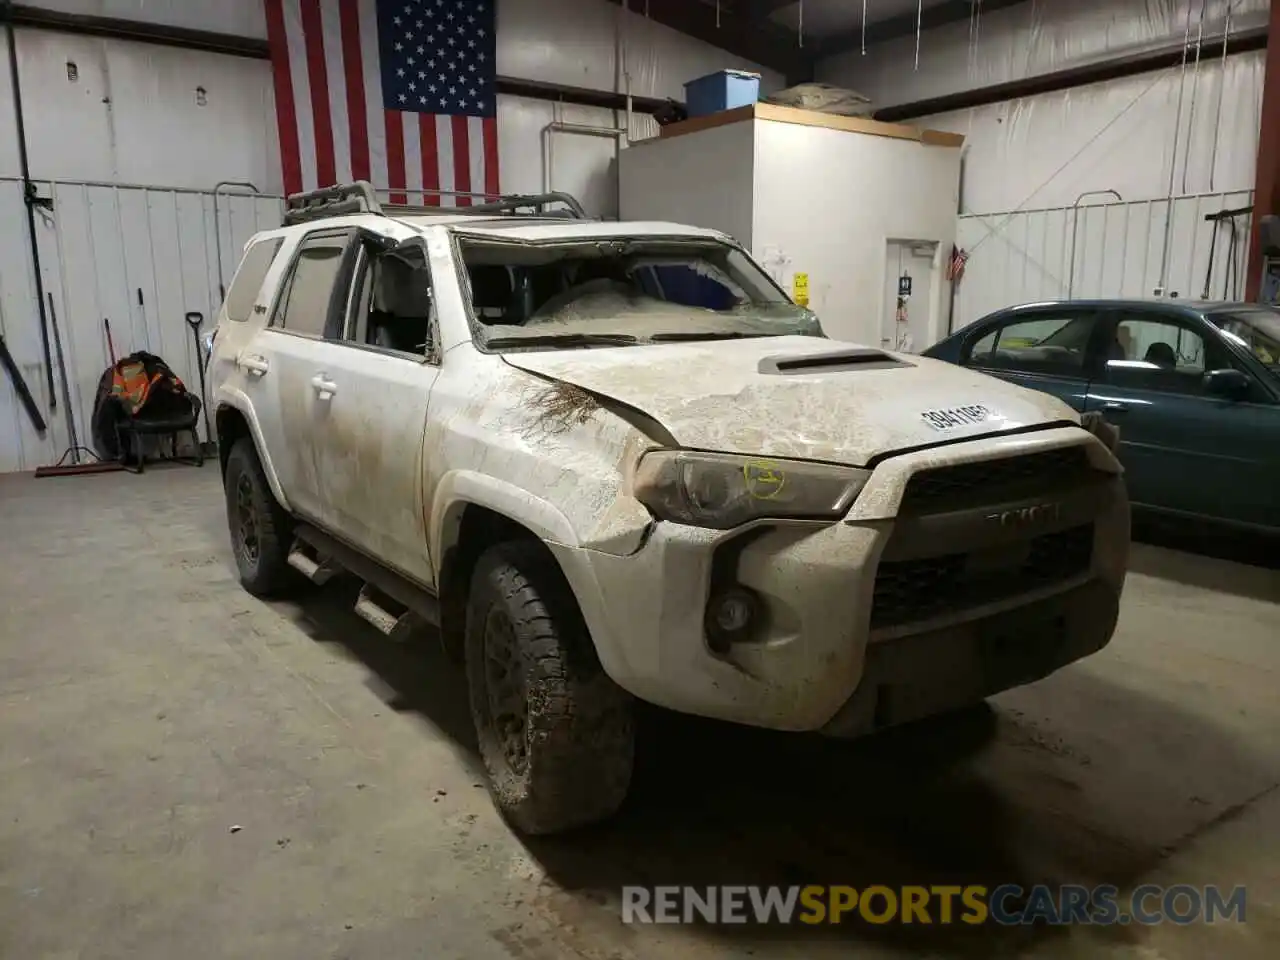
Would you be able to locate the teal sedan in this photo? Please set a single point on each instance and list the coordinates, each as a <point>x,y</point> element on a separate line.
<point>1194,389</point>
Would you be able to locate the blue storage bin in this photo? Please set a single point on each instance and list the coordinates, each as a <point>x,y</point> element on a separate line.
<point>723,90</point>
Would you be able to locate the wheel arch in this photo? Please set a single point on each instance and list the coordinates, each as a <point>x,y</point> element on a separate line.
<point>233,421</point>
<point>470,514</point>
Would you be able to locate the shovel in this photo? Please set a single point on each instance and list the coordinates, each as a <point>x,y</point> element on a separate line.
<point>195,321</point>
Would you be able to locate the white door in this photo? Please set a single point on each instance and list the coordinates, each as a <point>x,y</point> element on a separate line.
<point>369,388</point>
<point>276,365</point>
<point>908,295</point>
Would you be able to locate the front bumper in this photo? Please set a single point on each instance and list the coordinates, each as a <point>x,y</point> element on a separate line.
<point>826,656</point>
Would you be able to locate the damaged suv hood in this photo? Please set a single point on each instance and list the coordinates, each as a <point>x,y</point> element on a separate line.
<point>798,397</point>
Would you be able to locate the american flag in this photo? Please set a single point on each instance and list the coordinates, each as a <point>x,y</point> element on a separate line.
<point>397,92</point>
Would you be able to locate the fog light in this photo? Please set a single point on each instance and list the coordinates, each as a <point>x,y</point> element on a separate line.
<point>730,616</point>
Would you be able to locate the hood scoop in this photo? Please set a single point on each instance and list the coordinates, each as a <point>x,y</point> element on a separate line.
<point>838,362</point>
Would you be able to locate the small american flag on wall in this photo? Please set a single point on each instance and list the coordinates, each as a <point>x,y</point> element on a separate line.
<point>397,92</point>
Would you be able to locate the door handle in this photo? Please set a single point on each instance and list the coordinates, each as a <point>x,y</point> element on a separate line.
<point>323,386</point>
<point>1113,406</point>
<point>254,364</point>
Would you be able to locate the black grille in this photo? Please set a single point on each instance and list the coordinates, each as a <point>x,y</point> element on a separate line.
<point>993,480</point>
<point>914,590</point>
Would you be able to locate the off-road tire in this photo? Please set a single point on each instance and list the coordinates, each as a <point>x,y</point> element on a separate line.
<point>262,555</point>
<point>577,735</point>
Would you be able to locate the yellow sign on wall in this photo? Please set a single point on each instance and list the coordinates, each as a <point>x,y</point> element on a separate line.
<point>800,286</point>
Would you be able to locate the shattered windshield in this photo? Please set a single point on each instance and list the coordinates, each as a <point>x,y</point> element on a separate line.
<point>606,292</point>
<point>1257,329</point>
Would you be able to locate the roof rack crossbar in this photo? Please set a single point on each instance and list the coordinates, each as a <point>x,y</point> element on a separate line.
<point>361,197</point>
<point>344,198</point>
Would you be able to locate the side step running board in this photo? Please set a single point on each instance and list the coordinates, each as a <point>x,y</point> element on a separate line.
<point>318,572</point>
<point>371,606</point>
<point>374,574</point>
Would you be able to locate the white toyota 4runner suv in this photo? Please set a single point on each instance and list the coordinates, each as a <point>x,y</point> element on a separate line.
<point>615,461</point>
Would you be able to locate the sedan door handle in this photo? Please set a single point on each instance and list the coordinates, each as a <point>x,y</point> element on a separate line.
<point>253,364</point>
<point>323,386</point>
<point>1112,406</point>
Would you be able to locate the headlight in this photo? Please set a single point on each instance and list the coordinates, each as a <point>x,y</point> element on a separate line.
<point>722,491</point>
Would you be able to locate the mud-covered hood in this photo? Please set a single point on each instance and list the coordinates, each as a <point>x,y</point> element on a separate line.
<point>798,397</point>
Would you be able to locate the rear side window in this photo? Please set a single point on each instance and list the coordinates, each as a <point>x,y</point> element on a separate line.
<point>305,307</point>
<point>1168,356</point>
<point>1043,343</point>
<point>249,278</point>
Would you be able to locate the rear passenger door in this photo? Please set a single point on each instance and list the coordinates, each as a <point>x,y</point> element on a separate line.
<point>1182,448</point>
<point>370,380</point>
<point>1046,349</point>
<point>277,363</point>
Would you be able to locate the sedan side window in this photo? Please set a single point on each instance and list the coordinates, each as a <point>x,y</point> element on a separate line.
<point>1155,353</point>
<point>1044,343</point>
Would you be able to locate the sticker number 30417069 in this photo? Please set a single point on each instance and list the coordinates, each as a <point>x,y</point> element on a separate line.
<point>954,417</point>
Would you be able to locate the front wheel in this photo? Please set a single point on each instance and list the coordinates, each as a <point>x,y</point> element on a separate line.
<point>556,734</point>
<point>261,530</point>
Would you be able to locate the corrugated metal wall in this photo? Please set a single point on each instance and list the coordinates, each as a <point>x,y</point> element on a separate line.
<point>1027,255</point>
<point>140,257</point>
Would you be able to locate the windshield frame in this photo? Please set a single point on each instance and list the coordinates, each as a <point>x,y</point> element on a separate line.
<point>459,236</point>
<point>1268,375</point>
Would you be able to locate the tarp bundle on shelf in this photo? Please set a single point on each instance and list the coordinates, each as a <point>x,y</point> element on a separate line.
<point>823,98</point>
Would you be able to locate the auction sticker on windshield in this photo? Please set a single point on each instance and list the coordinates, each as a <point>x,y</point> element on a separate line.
<point>953,417</point>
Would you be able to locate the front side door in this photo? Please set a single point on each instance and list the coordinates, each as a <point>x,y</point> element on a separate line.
<point>277,364</point>
<point>370,382</point>
<point>1182,448</point>
<point>1047,349</point>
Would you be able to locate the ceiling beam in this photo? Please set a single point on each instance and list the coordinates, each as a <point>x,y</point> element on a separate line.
<point>763,42</point>
<point>904,25</point>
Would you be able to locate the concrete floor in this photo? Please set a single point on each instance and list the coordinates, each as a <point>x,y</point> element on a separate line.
<point>188,772</point>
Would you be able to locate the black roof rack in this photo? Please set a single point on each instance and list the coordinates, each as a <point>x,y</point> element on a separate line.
<point>360,197</point>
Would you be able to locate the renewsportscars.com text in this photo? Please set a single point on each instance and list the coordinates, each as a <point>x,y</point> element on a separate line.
<point>1008,905</point>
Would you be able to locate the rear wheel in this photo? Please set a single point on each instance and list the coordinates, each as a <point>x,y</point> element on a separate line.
<point>556,734</point>
<point>261,530</point>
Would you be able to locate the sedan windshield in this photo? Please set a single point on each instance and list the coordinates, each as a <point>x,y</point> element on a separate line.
<point>1257,329</point>
<point>621,292</point>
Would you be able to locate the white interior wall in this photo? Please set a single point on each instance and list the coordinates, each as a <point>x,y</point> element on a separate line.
<point>131,115</point>
<point>245,18</point>
<point>809,200</point>
<point>716,184</point>
<point>828,202</point>
<point>105,243</point>
<point>1121,135</point>
<point>1026,40</point>
<point>1028,161</point>
<point>588,43</point>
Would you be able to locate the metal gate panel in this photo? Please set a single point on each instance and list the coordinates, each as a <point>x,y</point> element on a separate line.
<point>1097,251</point>
<point>103,244</point>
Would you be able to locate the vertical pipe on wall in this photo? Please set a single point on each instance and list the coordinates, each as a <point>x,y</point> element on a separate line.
<point>29,197</point>
<point>1124,250</point>
<point>1173,156</point>
<point>1266,194</point>
<point>1222,88</point>
<point>1195,90</point>
<point>70,353</point>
